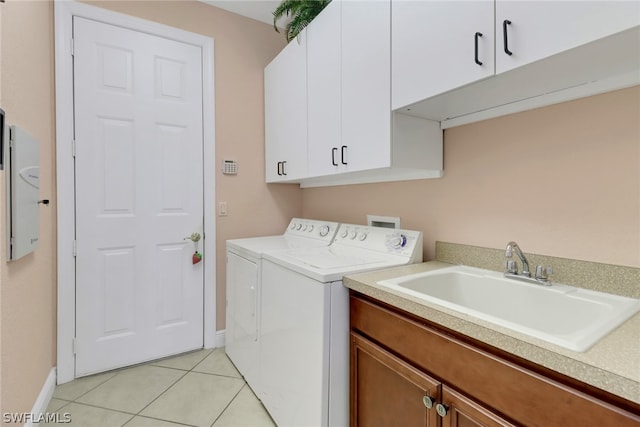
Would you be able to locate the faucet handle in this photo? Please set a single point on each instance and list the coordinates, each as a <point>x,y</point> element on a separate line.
<point>511,266</point>
<point>543,272</point>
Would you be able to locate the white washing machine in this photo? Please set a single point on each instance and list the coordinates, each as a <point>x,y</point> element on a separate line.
<point>304,337</point>
<point>244,265</point>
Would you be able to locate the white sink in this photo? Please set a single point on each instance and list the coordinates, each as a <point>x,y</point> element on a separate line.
<point>570,317</point>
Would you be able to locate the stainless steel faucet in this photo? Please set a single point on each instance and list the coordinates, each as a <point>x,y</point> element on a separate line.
<point>508,252</point>
<point>542,272</point>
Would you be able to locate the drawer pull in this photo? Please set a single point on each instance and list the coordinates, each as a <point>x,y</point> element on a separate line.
<point>478,35</point>
<point>442,410</point>
<point>428,401</point>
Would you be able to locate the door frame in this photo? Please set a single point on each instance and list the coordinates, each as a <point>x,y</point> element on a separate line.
<point>65,10</point>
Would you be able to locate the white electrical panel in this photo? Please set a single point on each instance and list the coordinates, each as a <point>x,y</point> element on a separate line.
<point>23,193</point>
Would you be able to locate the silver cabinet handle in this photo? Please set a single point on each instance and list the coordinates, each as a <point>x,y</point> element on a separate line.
<point>442,410</point>
<point>428,401</point>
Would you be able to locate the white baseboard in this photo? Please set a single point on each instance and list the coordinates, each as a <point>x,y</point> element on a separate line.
<point>46,393</point>
<point>220,340</point>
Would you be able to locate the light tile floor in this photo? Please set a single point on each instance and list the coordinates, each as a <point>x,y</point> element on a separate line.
<point>201,388</point>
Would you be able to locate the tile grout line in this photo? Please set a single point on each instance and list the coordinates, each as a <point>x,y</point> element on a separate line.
<point>167,389</point>
<point>228,404</point>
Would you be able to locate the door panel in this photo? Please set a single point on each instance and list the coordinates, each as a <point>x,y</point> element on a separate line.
<point>139,192</point>
<point>377,375</point>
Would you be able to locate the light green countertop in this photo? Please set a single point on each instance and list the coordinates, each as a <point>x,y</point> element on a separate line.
<point>612,364</point>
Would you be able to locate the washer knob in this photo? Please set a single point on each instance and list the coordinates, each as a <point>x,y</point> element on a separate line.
<point>363,236</point>
<point>344,234</point>
<point>298,227</point>
<point>310,228</point>
<point>353,235</point>
<point>304,228</point>
<point>293,226</point>
<point>399,241</point>
<point>324,230</point>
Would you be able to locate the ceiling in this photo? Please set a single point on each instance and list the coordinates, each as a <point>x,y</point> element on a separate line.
<point>260,10</point>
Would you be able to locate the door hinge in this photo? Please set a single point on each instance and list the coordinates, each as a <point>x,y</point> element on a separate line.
<point>74,346</point>
<point>73,47</point>
<point>73,148</point>
<point>75,248</point>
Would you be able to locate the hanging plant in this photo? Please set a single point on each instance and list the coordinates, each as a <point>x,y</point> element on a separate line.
<point>301,13</point>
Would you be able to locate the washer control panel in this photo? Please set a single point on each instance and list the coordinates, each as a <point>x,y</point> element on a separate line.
<point>321,230</point>
<point>401,242</point>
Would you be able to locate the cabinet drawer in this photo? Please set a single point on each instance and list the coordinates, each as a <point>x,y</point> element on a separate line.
<point>515,391</point>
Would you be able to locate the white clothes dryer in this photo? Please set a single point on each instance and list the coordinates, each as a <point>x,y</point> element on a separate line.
<point>244,265</point>
<point>304,337</point>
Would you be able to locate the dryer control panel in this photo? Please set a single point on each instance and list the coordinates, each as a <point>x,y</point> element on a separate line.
<point>310,228</point>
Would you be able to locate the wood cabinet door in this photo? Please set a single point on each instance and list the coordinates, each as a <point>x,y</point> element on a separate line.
<point>464,412</point>
<point>388,392</point>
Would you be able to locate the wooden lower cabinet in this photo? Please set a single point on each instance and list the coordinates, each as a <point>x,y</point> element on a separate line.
<point>464,412</point>
<point>388,392</point>
<point>406,372</point>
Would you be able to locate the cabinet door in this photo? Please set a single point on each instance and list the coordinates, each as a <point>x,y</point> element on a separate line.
<point>539,29</point>
<point>366,85</point>
<point>386,391</point>
<point>434,47</point>
<point>285,103</point>
<point>464,412</point>
<point>323,59</point>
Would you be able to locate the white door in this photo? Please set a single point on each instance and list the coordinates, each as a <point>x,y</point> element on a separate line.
<point>241,335</point>
<point>366,85</point>
<point>539,29</point>
<point>285,113</point>
<point>139,192</point>
<point>438,46</point>
<point>324,92</point>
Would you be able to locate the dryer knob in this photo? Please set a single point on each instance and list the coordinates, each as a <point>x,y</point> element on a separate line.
<point>324,230</point>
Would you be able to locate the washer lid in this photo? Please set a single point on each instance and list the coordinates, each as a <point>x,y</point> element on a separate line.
<point>330,258</point>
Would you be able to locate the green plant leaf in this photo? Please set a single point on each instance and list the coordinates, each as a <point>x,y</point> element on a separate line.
<point>301,12</point>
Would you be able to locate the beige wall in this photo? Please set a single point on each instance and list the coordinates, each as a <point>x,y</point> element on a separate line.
<point>243,47</point>
<point>562,180</point>
<point>28,285</point>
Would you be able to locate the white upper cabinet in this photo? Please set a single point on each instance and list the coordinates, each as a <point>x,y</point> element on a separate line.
<point>366,85</point>
<point>439,45</point>
<point>534,30</point>
<point>544,52</point>
<point>324,94</point>
<point>285,102</point>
